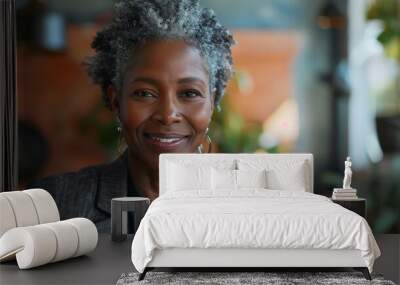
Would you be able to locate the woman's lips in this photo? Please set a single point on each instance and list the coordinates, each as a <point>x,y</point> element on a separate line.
<point>165,142</point>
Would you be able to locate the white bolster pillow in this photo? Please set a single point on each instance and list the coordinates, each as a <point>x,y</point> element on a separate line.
<point>26,208</point>
<point>45,205</point>
<point>40,244</point>
<point>7,218</point>
<point>24,211</point>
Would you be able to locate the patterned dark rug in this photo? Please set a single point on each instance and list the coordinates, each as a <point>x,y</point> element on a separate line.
<point>230,278</point>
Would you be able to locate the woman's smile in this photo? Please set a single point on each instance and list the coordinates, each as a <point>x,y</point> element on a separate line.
<point>166,142</point>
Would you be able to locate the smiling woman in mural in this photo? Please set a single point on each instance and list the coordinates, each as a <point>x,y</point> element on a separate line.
<point>162,67</point>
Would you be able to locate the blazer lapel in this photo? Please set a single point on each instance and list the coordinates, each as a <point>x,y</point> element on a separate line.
<point>112,182</point>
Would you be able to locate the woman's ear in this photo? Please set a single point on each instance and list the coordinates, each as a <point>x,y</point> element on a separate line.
<point>113,98</point>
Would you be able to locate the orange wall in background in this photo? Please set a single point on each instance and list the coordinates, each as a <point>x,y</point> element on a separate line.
<point>265,60</point>
<point>54,92</point>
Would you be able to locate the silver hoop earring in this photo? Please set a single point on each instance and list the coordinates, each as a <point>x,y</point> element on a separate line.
<point>119,128</point>
<point>200,147</point>
<point>209,144</point>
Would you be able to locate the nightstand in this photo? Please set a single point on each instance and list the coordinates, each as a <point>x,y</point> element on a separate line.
<point>358,206</point>
<point>120,210</point>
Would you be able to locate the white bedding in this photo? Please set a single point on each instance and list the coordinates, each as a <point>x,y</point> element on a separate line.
<point>251,218</point>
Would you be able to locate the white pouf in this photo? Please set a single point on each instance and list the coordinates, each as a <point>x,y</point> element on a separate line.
<point>31,230</point>
<point>40,244</point>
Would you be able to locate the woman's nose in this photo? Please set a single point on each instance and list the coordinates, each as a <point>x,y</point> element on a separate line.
<point>167,112</point>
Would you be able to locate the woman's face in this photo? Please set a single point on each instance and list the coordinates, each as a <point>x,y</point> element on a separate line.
<point>165,103</point>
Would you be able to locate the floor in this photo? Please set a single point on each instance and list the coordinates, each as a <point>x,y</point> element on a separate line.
<point>389,262</point>
<point>110,260</point>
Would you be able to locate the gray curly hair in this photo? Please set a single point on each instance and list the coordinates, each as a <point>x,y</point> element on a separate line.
<point>136,21</point>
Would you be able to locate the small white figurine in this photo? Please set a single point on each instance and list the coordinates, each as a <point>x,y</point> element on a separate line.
<point>347,174</point>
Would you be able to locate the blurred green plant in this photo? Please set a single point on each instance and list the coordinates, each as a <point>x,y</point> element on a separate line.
<point>384,188</point>
<point>387,99</point>
<point>388,13</point>
<point>101,127</point>
<point>384,196</point>
<point>232,133</point>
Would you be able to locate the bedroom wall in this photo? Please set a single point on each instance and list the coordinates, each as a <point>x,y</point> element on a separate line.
<point>281,57</point>
<point>300,54</point>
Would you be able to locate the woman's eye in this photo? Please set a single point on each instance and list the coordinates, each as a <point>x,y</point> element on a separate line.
<point>142,94</point>
<point>191,94</point>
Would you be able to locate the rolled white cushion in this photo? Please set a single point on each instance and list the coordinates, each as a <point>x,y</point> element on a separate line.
<point>67,240</point>
<point>23,208</point>
<point>26,208</point>
<point>87,235</point>
<point>7,218</point>
<point>33,246</point>
<point>45,205</point>
<point>40,244</point>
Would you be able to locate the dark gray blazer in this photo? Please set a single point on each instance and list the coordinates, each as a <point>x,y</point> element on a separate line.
<point>88,192</point>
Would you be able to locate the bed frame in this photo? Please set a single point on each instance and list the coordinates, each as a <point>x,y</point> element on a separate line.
<point>244,259</point>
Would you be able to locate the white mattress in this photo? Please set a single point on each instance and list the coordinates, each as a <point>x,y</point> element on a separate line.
<point>252,218</point>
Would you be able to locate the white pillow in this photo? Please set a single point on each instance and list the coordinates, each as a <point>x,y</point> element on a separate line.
<point>223,179</point>
<point>181,177</point>
<point>295,180</point>
<point>251,178</point>
<point>226,179</point>
<point>281,174</point>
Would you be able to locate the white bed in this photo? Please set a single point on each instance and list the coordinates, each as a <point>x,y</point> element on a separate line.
<point>197,224</point>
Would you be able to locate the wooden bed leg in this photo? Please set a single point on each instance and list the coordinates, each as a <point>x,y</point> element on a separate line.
<point>364,271</point>
<point>143,274</point>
